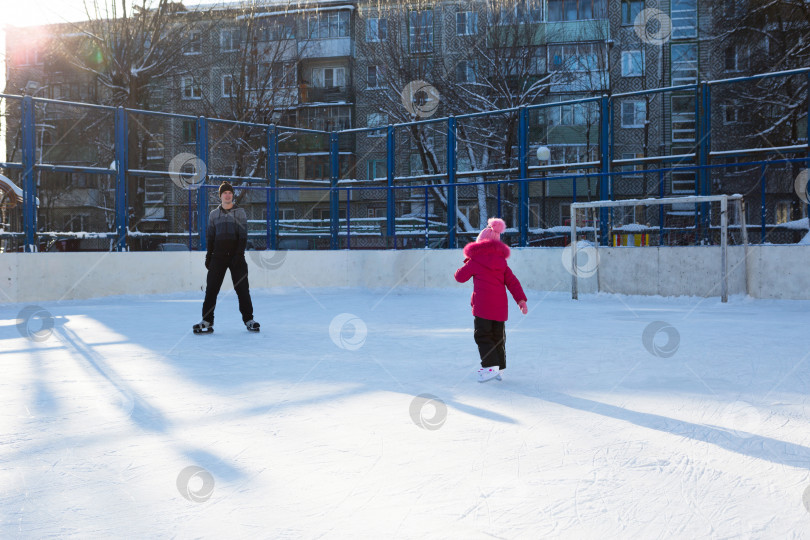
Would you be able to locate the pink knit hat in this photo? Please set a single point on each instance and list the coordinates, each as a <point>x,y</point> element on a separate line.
<point>495,226</point>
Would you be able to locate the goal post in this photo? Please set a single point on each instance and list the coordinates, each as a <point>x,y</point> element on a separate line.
<point>736,200</point>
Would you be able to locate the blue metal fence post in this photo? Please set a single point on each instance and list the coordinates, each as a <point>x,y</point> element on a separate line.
<point>390,214</point>
<point>427,224</point>
<point>762,207</point>
<point>121,166</point>
<point>451,181</point>
<point>272,180</point>
<point>523,186</point>
<point>660,208</point>
<point>201,148</point>
<point>334,194</point>
<point>705,149</point>
<point>604,152</point>
<point>348,218</point>
<point>29,187</point>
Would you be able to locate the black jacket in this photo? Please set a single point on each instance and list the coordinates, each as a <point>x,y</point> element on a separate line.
<point>227,232</point>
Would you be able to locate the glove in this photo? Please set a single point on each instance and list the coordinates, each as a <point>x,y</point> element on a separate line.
<point>523,307</point>
<point>207,260</point>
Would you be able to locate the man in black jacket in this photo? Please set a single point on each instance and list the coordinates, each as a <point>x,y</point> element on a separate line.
<point>227,239</point>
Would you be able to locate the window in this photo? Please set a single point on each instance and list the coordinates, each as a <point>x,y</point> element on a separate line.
<point>635,166</point>
<point>376,212</point>
<point>375,120</point>
<point>576,57</point>
<point>683,182</point>
<point>784,212</point>
<point>420,31</point>
<point>377,168</point>
<point>288,166</point>
<point>630,10</point>
<point>154,147</point>
<point>376,30</point>
<point>283,75</point>
<point>79,180</point>
<point>29,56</point>
<point>326,118</point>
<point>189,131</point>
<point>277,28</point>
<point>329,24</point>
<point>571,153</point>
<point>684,18</point>
<point>194,45</point>
<point>329,77</point>
<point>286,213</point>
<point>575,10</point>
<point>191,88</point>
<point>632,63</point>
<point>734,59</point>
<point>683,118</point>
<point>76,223</point>
<point>537,63</point>
<point>227,86</point>
<point>324,214</point>
<point>684,63</point>
<point>572,114</point>
<point>521,12</point>
<point>375,76</point>
<point>229,40</point>
<point>633,113</point>
<point>465,72</point>
<point>731,114</point>
<point>466,23</point>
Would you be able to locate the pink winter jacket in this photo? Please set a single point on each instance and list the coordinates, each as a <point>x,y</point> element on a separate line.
<point>486,264</point>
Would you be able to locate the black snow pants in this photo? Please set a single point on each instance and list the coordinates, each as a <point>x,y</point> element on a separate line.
<point>216,274</point>
<point>490,336</point>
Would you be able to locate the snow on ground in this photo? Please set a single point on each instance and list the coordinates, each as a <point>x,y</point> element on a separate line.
<point>619,417</point>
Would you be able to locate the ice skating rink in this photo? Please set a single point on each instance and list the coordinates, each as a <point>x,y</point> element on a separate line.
<point>355,413</point>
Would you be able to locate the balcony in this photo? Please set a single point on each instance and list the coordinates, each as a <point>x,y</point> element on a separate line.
<point>332,94</point>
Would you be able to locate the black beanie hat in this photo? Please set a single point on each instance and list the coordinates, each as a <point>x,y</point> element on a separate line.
<point>225,186</point>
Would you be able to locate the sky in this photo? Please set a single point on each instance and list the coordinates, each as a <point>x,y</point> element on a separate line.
<point>38,12</point>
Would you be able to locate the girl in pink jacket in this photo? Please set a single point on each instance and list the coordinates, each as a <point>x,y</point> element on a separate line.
<point>485,262</point>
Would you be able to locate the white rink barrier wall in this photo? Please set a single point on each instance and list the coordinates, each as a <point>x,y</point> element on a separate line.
<point>773,271</point>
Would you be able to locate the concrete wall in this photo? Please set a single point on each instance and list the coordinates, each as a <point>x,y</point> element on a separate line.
<point>773,271</point>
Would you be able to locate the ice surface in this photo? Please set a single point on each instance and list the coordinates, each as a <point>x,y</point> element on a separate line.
<point>618,417</point>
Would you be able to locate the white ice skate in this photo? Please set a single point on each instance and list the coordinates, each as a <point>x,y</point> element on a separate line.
<point>488,373</point>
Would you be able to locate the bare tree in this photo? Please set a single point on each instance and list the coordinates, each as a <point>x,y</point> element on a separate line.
<point>488,62</point>
<point>757,37</point>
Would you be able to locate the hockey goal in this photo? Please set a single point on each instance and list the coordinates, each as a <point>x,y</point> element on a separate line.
<point>692,220</point>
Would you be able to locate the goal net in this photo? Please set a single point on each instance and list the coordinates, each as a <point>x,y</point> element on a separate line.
<point>704,220</point>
